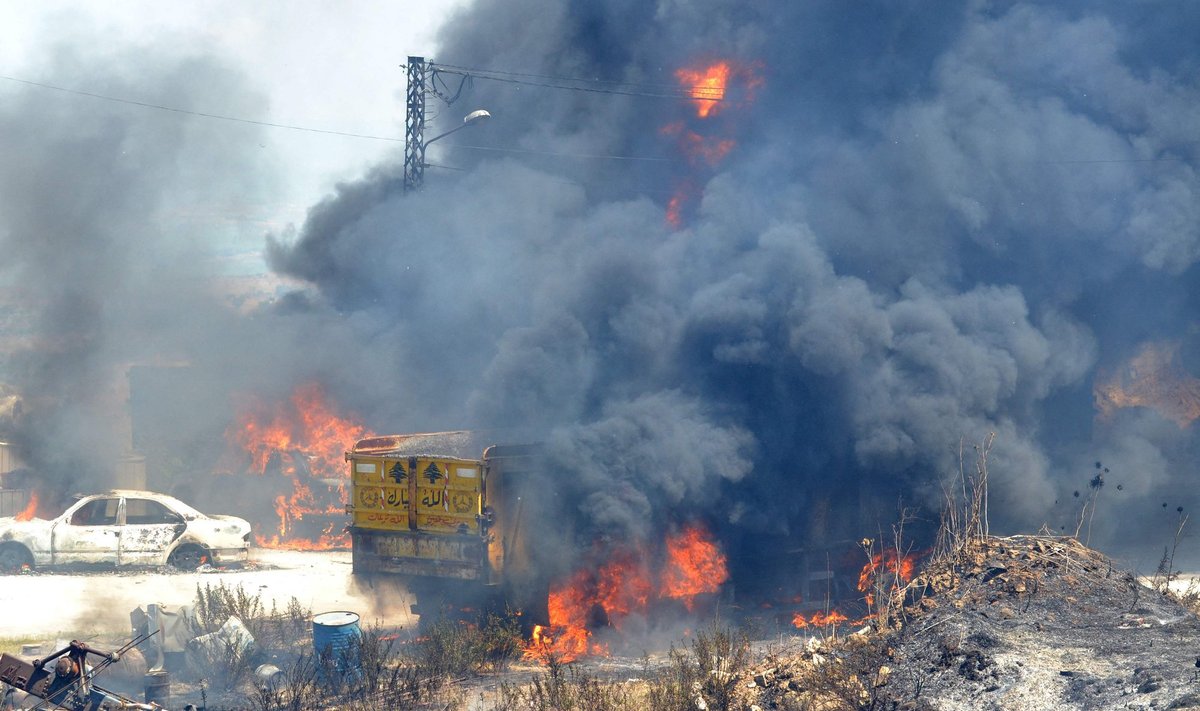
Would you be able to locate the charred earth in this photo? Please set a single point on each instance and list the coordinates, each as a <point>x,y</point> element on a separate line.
<point>1018,623</point>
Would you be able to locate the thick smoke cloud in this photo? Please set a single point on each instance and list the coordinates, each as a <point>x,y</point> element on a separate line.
<point>936,223</point>
<point>85,189</point>
<point>925,234</point>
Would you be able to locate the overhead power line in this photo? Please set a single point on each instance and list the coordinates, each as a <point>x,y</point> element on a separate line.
<point>293,127</point>
<point>702,93</point>
<point>219,117</point>
<point>443,67</point>
<point>558,78</point>
<point>531,151</point>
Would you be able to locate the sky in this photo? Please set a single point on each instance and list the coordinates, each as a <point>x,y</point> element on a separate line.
<point>335,66</point>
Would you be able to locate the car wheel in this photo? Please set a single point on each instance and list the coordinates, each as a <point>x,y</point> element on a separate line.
<point>13,557</point>
<point>188,557</point>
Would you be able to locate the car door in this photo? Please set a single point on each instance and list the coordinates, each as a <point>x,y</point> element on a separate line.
<point>150,528</point>
<point>89,532</point>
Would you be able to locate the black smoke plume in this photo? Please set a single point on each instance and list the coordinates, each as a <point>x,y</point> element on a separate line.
<point>935,223</point>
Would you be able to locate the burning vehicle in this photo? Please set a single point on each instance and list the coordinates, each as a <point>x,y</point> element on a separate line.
<point>291,454</point>
<point>463,531</point>
<point>124,528</point>
<point>423,509</point>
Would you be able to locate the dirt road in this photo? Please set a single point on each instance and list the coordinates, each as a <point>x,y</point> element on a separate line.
<point>77,604</point>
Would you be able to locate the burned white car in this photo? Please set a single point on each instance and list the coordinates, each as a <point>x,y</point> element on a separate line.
<point>125,528</point>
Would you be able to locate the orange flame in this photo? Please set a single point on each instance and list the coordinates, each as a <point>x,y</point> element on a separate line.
<point>887,562</point>
<point>623,586</point>
<point>819,619</point>
<point>706,86</point>
<point>310,439</point>
<point>696,147</point>
<point>567,637</point>
<point>1155,378</point>
<point>605,595</point>
<point>30,510</point>
<point>695,565</point>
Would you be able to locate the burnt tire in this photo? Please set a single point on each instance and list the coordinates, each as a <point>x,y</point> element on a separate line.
<point>13,557</point>
<point>188,557</point>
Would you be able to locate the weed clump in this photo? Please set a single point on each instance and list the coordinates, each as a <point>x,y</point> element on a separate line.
<point>386,672</point>
<point>457,648</point>
<point>704,675</point>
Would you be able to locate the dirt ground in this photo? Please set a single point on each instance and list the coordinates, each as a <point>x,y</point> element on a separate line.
<point>1023,623</point>
<point>63,605</point>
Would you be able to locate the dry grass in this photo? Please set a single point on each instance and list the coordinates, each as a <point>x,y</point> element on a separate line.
<point>703,675</point>
<point>387,673</point>
<point>12,645</point>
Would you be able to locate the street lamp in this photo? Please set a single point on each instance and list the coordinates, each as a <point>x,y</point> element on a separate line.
<point>415,164</point>
<point>475,117</point>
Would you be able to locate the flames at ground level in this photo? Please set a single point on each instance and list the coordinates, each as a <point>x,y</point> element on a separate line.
<point>885,572</point>
<point>303,441</point>
<point>628,583</point>
<point>605,596</point>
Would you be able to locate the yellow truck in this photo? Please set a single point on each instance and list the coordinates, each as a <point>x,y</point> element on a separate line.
<point>448,524</point>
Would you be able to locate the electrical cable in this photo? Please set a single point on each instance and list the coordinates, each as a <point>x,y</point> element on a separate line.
<point>618,92</point>
<point>292,127</point>
<point>203,114</point>
<point>393,139</point>
<point>555,78</point>
<point>563,155</point>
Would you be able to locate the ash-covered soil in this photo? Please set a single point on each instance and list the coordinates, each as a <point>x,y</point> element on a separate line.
<point>1019,623</point>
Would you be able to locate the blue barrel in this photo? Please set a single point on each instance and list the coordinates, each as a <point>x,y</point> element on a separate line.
<point>336,638</point>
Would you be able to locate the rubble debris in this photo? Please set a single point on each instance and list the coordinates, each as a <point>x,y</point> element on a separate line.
<point>232,640</point>
<point>267,677</point>
<point>1026,622</point>
<point>167,628</point>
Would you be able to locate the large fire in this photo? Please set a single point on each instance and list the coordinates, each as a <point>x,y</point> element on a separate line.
<point>703,143</point>
<point>695,565</point>
<point>308,439</point>
<point>606,595</point>
<point>567,637</point>
<point>1153,378</point>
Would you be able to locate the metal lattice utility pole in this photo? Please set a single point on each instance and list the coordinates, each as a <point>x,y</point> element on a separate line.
<point>414,126</point>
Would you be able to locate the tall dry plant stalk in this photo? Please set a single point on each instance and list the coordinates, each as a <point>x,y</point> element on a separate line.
<point>886,586</point>
<point>1166,573</point>
<point>965,511</point>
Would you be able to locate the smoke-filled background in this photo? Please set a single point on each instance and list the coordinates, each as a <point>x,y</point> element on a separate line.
<point>928,224</point>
